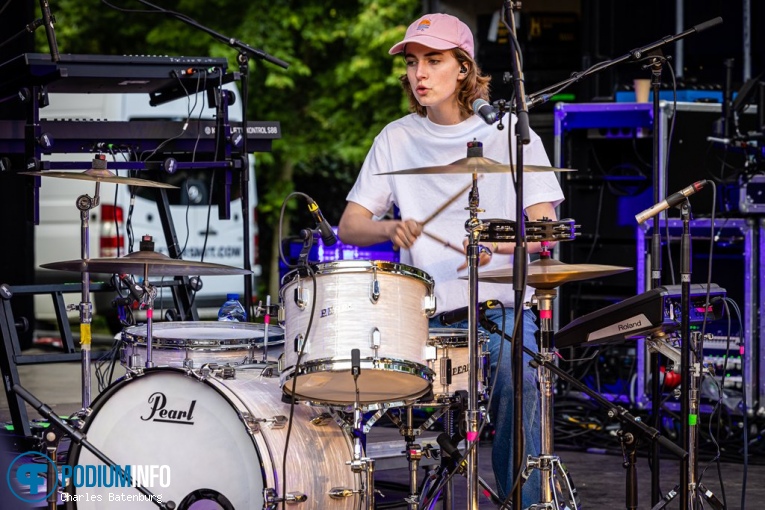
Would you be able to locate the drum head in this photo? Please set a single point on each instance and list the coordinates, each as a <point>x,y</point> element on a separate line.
<point>181,431</point>
<point>205,335</point>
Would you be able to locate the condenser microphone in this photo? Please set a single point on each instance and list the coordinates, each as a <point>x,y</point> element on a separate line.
<point>483,109</point>
<point>670,201</point>
<point>327,234</point>
<point>50,33</point>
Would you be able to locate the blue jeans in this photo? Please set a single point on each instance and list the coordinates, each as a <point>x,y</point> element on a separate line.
<point>501,410</point>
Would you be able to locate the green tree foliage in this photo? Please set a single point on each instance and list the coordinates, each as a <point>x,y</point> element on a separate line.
<point>340,89</point>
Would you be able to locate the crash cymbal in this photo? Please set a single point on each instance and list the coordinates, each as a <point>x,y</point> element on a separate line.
<point>547,273</point>
<point>477,165</point>
<point>139,262</point>
<point>101,175</point>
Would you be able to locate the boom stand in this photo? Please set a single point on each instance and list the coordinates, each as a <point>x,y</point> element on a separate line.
<point>688,417</point>
<point>522,137</point>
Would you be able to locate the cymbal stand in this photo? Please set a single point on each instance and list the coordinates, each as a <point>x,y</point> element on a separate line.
<point>474,227</point>
<point>547,462</point>
<point>149,293</point>
<point>84,204</point>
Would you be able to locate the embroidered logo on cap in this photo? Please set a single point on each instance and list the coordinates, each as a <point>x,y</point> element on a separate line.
<point>424,25</point>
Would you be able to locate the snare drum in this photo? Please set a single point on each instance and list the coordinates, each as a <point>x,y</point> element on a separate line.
<point>380,308</point>
<point>193,344</point>
<point>218,444</point>
<point>447,355</point>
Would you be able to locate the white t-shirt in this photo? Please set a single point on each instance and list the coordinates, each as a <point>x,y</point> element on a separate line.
<point>413,142</point>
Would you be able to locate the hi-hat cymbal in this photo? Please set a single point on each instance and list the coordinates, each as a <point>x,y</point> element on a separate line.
<point>549,273</point>
<point>146,262</point>
<point>101,175</point>
<point>475,165</point>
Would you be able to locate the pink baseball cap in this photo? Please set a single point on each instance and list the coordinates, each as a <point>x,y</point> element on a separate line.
<point>437,31</point>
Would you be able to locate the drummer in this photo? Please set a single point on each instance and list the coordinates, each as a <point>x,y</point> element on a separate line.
<point>442,81</point>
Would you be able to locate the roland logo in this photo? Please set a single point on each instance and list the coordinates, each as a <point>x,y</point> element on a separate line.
<point>630,325</point>
<point>160,412</point>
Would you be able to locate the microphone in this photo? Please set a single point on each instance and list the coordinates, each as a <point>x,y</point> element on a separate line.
<point>49,32</point>
<point>670,201</point>
<point>450,449</point>
<point>483,109</point>
<point>355,363</point>
<point>327,234</point>
<point>461,314</point>
<point>135,290</point>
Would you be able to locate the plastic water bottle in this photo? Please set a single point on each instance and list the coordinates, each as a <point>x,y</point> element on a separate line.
<point>232,310</point>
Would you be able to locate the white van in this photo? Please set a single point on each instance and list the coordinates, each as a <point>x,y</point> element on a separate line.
<point>198,229</point>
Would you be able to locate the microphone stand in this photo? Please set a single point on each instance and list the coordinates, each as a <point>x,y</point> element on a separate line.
<point>655,359</point>
<point>688,421</point>
<point>523,137</point>
<point>543,96</point>
<point>245,52</point>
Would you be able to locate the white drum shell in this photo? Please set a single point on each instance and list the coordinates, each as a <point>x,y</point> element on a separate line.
<point>193,344</point>
<point>231,447</point>
<point>451,345</point>
<point>348,316</point>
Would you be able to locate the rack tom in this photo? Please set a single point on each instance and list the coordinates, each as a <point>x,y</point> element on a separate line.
<point>380,308</point>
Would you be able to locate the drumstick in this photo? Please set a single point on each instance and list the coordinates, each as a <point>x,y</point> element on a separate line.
<point>447,204</point>
<point>443,242</point>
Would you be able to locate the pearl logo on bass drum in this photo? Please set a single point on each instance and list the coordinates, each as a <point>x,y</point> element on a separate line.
<point>160,413</point>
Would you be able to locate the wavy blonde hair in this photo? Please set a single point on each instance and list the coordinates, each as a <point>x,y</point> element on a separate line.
<point>474,86</point>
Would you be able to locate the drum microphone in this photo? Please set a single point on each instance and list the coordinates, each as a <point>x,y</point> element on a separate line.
<point>670,201</point>
<point>461,314</point>
<point>450,449</point>
<point>135,290</point>
<point>327,234</point>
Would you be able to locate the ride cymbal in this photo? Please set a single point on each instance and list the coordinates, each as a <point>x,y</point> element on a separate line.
<point>146,262</point>
<point>100,175</point>
<point>549,273</point>
<point>474,165</point>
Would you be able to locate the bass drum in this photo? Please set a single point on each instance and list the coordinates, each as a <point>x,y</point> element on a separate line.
<point>217,444</point>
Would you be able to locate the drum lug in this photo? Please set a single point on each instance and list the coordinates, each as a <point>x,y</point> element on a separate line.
<point>374,289</point>
<point>278,422</point>
<point>340,493</point>
<point>272,500</point>
<point>300,344</point>
<point>446,371</point>
<point>301,296</point>
<point>429,305</point>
